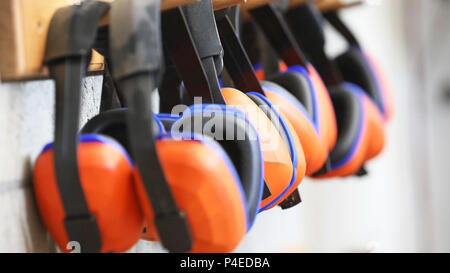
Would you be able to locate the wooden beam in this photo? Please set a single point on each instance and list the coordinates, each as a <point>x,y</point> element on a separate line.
<point>23,30</point>
<point>329,5</point>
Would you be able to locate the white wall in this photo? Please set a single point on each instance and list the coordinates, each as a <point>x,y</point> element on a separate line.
<point>403,204</point>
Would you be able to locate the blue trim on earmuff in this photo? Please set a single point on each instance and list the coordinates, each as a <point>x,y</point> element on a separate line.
<point>355,89</point>
<point>224,109</point>
<point>159,122</point>
<point>166,116</point>
<point>294,102</point>
<point>300,69</point>
<point>207,141</point>
<point>155,116</point>
<point>257,66</point>
<point>219,79</point>
<point>377,83</point>
<point>92,138</point>
<point>294,158</point>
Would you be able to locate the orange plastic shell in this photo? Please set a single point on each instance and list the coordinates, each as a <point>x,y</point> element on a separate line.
<point>205,189</point>
<point>107,180</point>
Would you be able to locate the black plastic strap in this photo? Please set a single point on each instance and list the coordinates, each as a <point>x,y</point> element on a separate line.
<point>202,26</point>
<point>169,90</point>
<point>305,21</point>
<point>236,60</point>
<point>291,201</point>
<point>334,19</point>
<point>176,36</point>
<point>71,36</point>
<point>136,54</point>
<point>277,32</point>
<point>109,99</point>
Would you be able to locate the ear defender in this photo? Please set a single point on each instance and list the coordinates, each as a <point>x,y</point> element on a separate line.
<point>106,179</point>
<point>298,91</point>
<point>240,70</point>
<point>282,169</point>
<point>361,131</point>
<point>358,68</point>
<point>304,100</point>
<point>202,198</point>
<point>360,106</point>
<point>83,185</point>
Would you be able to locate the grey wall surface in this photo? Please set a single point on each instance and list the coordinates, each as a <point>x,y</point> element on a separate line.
<point>26,125</point>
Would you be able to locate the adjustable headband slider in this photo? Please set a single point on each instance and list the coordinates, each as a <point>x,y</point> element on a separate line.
<point>84,230</point>
<point>174,231</point>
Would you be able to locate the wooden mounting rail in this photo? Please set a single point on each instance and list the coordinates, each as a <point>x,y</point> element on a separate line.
<point>329,5</point>
<point>23,32</point>
<point>323,5</point>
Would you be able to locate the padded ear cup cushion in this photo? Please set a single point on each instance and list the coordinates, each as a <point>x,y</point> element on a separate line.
<point>106,175</point>
<point>167,120</point>
<point>240,141</point>
<point>361,130</point>
<point>356,69</point>
<point>112,123</point>
<point>314,151</point>
<point>290,139</point>
<point>384,85</point>
<point>278,169</point>
<point>206,187</point>
<point>314,123</point>
<point>349,117</point>
<point>298,87</point>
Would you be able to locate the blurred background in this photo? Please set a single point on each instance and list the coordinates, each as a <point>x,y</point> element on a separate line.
<point>401,206</point>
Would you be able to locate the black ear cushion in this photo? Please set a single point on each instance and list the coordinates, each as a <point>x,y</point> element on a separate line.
<point>240,141</point>
<point>113,124</point>
<point>298,86</point>
<point>167,123</point>
<point>355,68</point>
<point>348,117</point>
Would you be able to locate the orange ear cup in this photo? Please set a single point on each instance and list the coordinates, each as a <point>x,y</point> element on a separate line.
<point>316,142</point>
<point>259,71</point>
<point>278,169</point>
<point>107,180</point>
<point>205,189</point>
<point>370,143</point>
<point>327,123</point>
<point>301,162</point>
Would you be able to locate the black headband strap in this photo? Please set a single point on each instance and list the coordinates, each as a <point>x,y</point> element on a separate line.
<point>305,22</point>
<point>199,18</point>
<point>277,32</point>
<point>236,59</point>
<point>176,36</point>
<point>136,54</point>
<point>336,21</point>
<point>71,36</point>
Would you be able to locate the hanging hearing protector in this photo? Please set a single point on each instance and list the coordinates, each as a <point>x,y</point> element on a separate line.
<point>360,122</point>
<point>358,67</point>
<point>205,60</point>
<point>244,78</point>
<point>98,170</point>
<point>304,99</point>
<point>217,183</point>
<point>66,199</point>
<point>282,174</point>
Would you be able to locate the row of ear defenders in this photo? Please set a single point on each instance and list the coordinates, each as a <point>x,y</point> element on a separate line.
<point>132,174</point>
